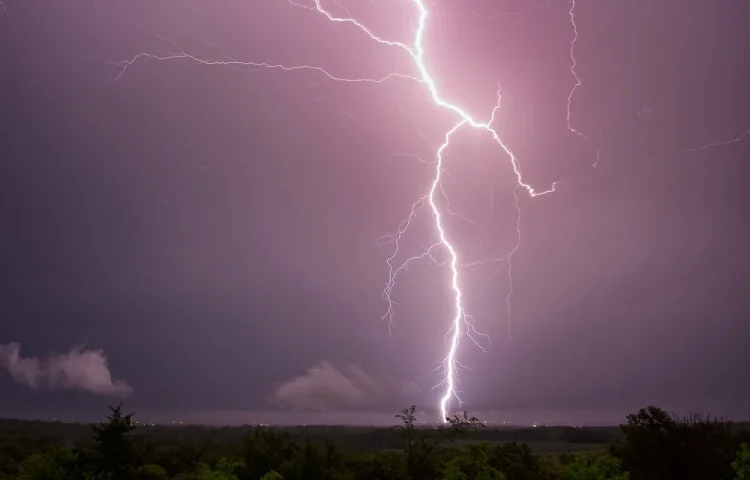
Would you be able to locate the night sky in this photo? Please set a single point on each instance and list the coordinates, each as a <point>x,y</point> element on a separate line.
<point>206,242</point>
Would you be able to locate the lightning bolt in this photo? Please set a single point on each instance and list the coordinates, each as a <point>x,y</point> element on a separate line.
<point>598,148</point>
<point>573,65</point>
<point>725,142</point>
<point>578,82</point>
<point>462,324</point>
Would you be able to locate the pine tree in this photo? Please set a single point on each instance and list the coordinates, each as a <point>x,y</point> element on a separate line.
<point>113,446</point>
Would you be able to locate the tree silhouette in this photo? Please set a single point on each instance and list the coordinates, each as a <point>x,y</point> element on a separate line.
<point>115,455</point>
<point>517,461</point>
<point>422,445</point>
<point>55,463</point>
<point>272,475</point>
<point>464,424</point>
<point>658,446</point>
<point>265,450</point>
<point>598,467</point>
<point>419,446</point>
<point>654,446</point>
<point>474,464</point>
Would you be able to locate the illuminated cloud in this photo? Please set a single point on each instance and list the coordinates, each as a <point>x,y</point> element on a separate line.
<point>78,369</point>
<point>325,387</point>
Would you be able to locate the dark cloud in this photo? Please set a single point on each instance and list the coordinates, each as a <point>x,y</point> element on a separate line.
<point>79,369</point>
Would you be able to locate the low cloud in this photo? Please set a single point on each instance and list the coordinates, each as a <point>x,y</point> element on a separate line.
<point>78,369</point>
<point>325,387</point>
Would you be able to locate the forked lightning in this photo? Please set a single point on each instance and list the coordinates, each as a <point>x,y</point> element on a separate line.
<point>461,323</point>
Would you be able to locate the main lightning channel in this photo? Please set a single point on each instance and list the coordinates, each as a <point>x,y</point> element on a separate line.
<point>461,320</point>
<point>417,52</point>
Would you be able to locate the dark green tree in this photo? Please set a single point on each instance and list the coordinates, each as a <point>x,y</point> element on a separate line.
<point>202,471</point>
<point>265,450</point>
<point>408,426</point>
<point>311,462</point>
<point>115,455</point>
<point>272,475</point>
<point>54,463</point>
<point>472,464</point>
<point>516,461</point>
<point>150,472</point>
<point>463,424</point>
<point>596,467</point>
<point>377,465</point>
<point>658,446</point>
<point>420,446</point>
<point>741,464</point>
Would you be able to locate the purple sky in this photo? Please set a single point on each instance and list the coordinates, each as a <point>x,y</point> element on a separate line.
<point>203,238</point>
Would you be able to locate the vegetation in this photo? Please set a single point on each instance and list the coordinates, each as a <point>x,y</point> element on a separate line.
<point>651,445</point>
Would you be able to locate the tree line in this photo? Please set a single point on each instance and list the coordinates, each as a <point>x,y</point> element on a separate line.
<point>651,445</point>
